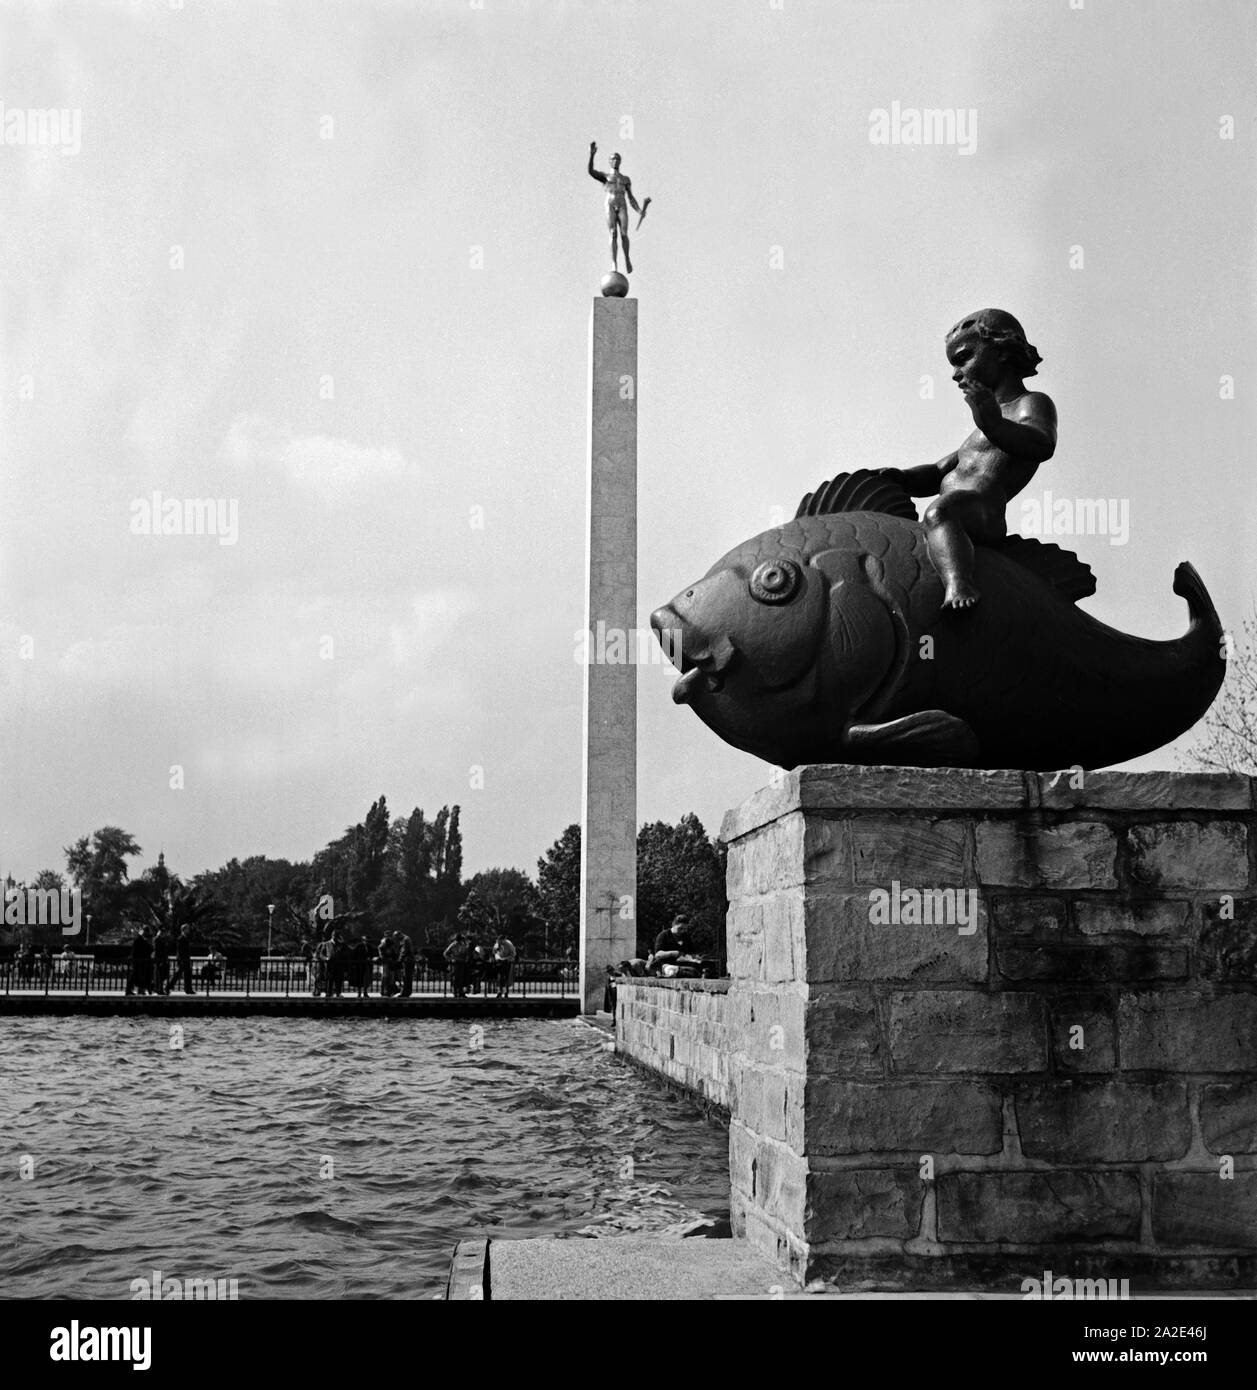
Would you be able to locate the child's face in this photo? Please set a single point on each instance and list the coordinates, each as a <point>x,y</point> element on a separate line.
<point>975,358</point>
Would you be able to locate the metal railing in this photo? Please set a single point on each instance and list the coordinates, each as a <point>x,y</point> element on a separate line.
<point>287,977</point>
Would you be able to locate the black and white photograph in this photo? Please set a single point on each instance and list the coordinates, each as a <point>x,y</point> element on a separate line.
<point>628,673</point>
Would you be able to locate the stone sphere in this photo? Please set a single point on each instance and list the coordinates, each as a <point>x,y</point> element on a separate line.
<point>615,285</point>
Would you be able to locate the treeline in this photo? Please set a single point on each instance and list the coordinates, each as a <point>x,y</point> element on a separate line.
<point>387,875</point>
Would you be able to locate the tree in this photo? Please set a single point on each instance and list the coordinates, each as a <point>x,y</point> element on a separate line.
<point>680,870</point>
<point>1228,738</point>
<point>368,844</point>
<point>97,866</point>
<point>408,884</point>
<point>245,891</point>
<point>558,887</point>
<point>475,917</point>
<point>446,854</point>
<point>159,898</point>
<point>507,895</point>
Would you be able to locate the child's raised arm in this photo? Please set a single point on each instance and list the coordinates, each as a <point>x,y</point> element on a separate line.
<point>1027,431</point>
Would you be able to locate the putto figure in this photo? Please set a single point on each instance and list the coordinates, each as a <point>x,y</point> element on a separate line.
<point>619,199</point>
<point>1015,432</point>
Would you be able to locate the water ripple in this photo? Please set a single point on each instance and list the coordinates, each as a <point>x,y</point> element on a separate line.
<point>321,1158</point>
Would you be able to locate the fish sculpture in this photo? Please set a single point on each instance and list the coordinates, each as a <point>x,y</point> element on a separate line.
<point>825,641</point>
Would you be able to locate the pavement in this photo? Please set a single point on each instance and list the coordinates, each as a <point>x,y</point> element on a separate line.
<point>631,1267</point>
<point>666,1266</point>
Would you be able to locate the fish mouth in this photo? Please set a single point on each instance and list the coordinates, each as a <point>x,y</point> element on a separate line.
<point>702,672</point>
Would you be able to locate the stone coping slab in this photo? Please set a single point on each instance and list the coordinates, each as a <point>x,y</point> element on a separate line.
<point>647,1267</point>
<point>659,982</point>
<point>841,787</point>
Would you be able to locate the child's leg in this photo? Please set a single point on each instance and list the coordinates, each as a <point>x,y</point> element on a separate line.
<point>950,521</point>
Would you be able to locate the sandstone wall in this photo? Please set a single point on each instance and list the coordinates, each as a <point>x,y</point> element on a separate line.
<point>1069,1083</point>
<point>677,1028</point>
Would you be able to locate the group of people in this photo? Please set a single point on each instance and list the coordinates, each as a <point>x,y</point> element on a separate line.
<point>346,959</point>
<point>475,965</point>
<point>151,952</point>
<point>32,964</point>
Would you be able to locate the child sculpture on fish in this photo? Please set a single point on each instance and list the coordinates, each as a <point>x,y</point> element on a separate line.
<point>850,634</point>
<point>1015,432</point>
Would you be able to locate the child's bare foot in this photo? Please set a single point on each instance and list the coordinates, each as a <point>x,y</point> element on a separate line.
<point>960,594</point>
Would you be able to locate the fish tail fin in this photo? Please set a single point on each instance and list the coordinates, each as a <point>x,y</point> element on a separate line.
<point>1189,585</point>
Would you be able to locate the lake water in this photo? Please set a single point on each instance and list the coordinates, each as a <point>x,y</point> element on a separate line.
<point>313,1158</point>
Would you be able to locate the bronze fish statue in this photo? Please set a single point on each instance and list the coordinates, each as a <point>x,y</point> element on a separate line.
<point>825,641</point>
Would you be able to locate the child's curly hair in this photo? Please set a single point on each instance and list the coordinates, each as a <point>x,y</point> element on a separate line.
<point>1000,328</point>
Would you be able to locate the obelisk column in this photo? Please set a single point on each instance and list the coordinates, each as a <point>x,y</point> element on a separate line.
<point>609,815</point>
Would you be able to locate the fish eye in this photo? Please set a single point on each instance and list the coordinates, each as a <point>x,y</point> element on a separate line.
<point>775,581</point>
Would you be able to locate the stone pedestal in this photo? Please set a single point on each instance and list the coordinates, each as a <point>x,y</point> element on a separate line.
<point>608,924</point>
<point>1058,1073</point>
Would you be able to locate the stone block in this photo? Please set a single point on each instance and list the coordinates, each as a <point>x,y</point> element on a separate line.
<point>773,859</point>
<point>1015,854</point>
<point>844,946</point>
<point>1205,1209</point>
<point>1185,1031</point>
<point>781,921</point>
<point>1228,941</point>
<point>1156,918</point>
<point>1146,791</point>
<point>1076,1121</point>
<point>1031,916</point>
<point>1038,1207</point>
<point>864,1203</point>
<point>1183,854</point>
<point>841,1034</point>
<point>833,786</point>
<point>844,787</point>
<point>851,1117</point>
<point>1083,1033</point>
<point>966,1031</point>
<point>773,1030</point>
<point>1228,1118</point>
<point>916,851</point>
<point>767,1104</point>
<point>779,1184</point>
<point>1092,964</point>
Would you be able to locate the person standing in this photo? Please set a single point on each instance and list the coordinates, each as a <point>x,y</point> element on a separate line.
<point>389,962</point>
<point>141,964</point>
<point>161,961</point>
<point>321,952</point>
<point>457,953</point>
<point>183,959</point>
<point>360,966</point>
<point>335,965</point>
<point>406,957</point>
<point>504,962</point>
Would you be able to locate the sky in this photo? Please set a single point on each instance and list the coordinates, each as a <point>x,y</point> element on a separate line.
<point>333,265</point>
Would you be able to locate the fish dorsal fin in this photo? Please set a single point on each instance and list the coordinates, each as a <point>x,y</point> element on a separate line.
<point>861,491</point>
<point>1062,569</point>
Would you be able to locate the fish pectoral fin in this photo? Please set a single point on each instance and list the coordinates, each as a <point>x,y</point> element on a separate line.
<point>932,738</point>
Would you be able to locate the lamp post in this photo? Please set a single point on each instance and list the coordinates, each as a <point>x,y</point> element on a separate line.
<point>88,942</point>
<point>270,922</point>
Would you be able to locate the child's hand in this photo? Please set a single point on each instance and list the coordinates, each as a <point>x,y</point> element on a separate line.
<point>981,402</point>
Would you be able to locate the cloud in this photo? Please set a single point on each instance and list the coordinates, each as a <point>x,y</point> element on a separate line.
<point>332,469</point>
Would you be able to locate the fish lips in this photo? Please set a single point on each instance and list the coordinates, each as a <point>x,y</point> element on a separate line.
<point>702,672</point>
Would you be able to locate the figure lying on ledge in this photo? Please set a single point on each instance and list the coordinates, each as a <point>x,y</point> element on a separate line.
<point>836,638</point>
